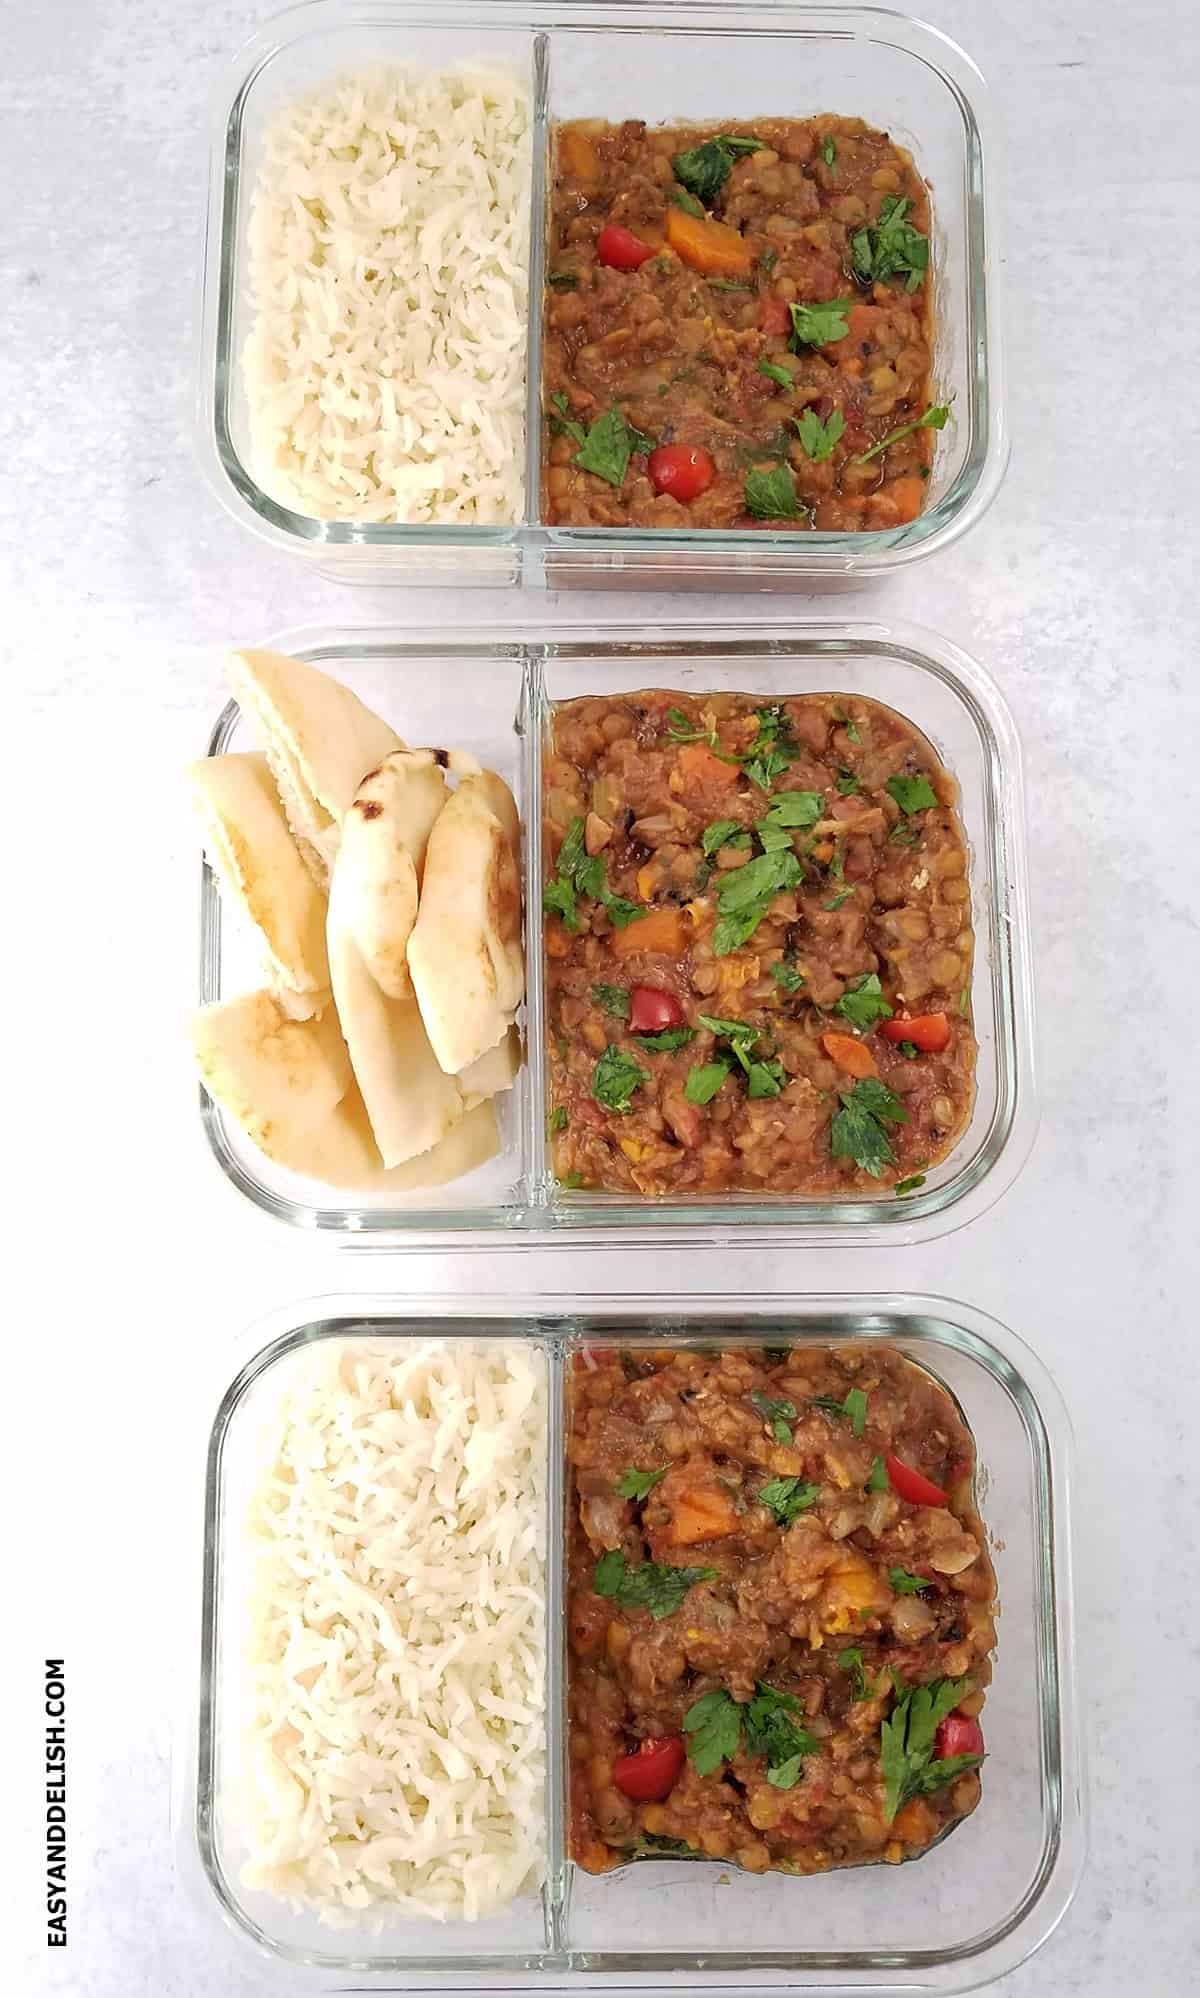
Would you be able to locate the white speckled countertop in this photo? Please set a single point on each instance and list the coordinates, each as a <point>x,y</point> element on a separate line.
<point>135,1265</point>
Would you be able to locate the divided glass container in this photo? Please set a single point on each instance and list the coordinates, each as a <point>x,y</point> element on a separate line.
<point>672,61</point>
<point>965,1913</point>
<point>498,691</point>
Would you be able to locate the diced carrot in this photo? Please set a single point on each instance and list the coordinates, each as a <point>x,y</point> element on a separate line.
<point>915,1824</point>
<point>661,930</point>
<point>577,157</point>
<point>846,1053</point>
<point>861,321</point>
<point>700,1513</point>
<point>708,246</point>
<point>702,768</point>
<point>558,943</point>
<point>908,495</point>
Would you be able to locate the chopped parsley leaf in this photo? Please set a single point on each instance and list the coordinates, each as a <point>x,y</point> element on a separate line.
<point>820,324</point>
<point>891,247</point>
<point>639,1484</point>
<point>854,1408</point>
<point>723,832</point>
<point>828,151</point>
<point>905,1584</point>
<point>652,1585</point>
<point>774,373</point>
<point>843,895</point>
<point>878,1480</point>
<point>912,794</point>
<point>608,447</point>
<point>787,976</point>
<point>787,1498</point>
<point>563,281</point>
<point>704,169</point>
<point>908,1738</point>
<point>858,1132</point>
<point>863,1003</point>
<point>771,495</point>
<point>703,1082</point>
<point>614,1079</point>
<point>933,419</point>
<point>819,439</point>
<point>612,999</point>
<point>558,1119</point>
<point>909,1185</point>
<point>688,202</point>
<point>667,1040</point>
<point>777,1413</point>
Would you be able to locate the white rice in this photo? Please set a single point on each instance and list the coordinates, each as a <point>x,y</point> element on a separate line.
<point>396,1741</point>
<point>389,272</point>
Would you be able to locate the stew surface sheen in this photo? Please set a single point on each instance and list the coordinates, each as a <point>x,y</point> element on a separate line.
<point>811,1700</point>
<point>758,946</point>
<point>696,345</point>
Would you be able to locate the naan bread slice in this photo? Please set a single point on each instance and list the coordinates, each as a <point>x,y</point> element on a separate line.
<point>290,1087</point>
<point>465,954</point>
<point>411,1103</point>
<point>344,1153</point>
<point>280,1079</point>
<point>320,740</point>
<point>382,859</point>
<point>494,1071</point>
<point>260,871</point>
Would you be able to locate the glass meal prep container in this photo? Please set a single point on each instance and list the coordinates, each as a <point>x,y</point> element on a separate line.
<point>966,1912</point>
<point>498,692</point>
<point>673,62</point>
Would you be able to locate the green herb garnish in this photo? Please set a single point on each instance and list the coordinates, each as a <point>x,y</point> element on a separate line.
<point>863,1003</point>
<point>891,248</point>
<point>933,419</point>
<point>557,1120</point>
<point>704,169</point>
<point>614,1079</point>
<point>787,976</point>
<point>828,151</point>
<point>907,1741</point>
<point>688,202</point>
<point>746,894</point>
<point>851,1660</point>
<point>667,1040</point>
<point>771,495</point>
<point>912,794</point>
<point>608,447</point>
<point>905,1584</point>
<point>843,895</point>
<point>847,784</point>
<point>562,422</point>
<point>774,373</point>
<point>817,438</point>
<point>779,1414</point>
<point>652,1585</point>
<point>909,1050</point>
<point>909,1185</point>
<point>703,1082</point>
<point>563,281</point>
<point>819,324</point>
<point>716,1723</point>
<point>858,1132</point>
<point>878,1480</point>
<point>853,1407</point>
<point>787,1498</point>
<point>723,832</point>
<point>793,809</point>
<point>584,873</point>
<point>639,1484</point>
<point>612,999</point>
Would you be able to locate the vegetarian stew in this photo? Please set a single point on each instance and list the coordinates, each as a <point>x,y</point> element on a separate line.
<point>738,328</point>
<point>758,947</point>
<point>781,1608</point>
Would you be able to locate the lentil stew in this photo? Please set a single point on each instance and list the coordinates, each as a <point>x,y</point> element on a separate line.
<point>738,328</point>
<point>758,947</point>
<point>780,1607</point>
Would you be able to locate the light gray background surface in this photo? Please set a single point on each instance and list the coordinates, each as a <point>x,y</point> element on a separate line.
<point>135,1266</point>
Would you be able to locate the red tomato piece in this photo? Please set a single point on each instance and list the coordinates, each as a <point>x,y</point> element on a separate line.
<point>957,1735</point>
<point>929,1031</point>
<point>773,315</point>
<point>621,249</point>
<point>911,1485</point>
<point>652,1011</point>
<point>651,1773</point>
<point>683,470</point>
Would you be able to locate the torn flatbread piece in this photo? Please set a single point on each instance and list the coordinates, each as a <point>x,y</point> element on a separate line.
<point>464,954</point>
<point>258,866</point>
<point>382,859</point>
<point>280,1079</point>
<point>320,740</point>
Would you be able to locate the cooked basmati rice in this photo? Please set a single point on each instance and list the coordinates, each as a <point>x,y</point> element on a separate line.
<point>389,273</point>
<point>396,1740</point>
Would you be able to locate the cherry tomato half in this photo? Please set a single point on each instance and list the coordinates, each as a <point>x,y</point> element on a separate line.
<point>929,1031</point>
<point>683,470</point>
<point>650,1773</point>
<point>774,315</point>
<point>957,1735</point>
<point>911,1485</point>
<point>621,249</point>
<point>652,1011</point>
